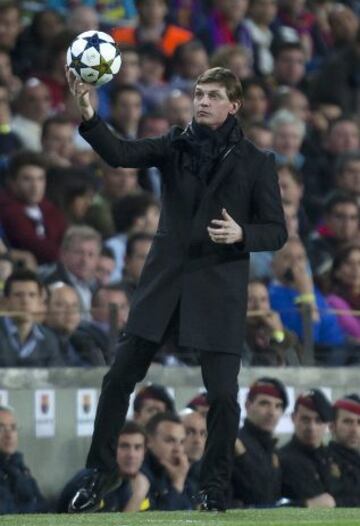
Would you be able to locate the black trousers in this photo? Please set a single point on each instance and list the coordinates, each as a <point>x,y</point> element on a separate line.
<point>219,372</point>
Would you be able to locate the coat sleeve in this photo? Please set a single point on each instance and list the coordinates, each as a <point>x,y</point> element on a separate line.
<point>140,153</point>
<point>267,231</point>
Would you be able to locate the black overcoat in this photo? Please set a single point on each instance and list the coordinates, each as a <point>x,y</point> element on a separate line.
<point>208,280</point>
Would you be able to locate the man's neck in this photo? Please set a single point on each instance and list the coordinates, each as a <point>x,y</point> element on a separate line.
<point>24,329</point>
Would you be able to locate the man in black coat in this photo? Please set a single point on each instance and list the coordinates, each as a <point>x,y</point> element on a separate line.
<point>220,201</point>
<point>256,479</point>
<point>344,449</point>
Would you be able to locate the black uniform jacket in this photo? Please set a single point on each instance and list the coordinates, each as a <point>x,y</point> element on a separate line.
<point>346,467</point>
<point>208,280</point>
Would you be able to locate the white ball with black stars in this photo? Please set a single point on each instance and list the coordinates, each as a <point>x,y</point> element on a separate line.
<point>94,57</point>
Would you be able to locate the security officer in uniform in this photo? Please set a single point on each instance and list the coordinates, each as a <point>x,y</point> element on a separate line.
<point>256,479</point>
<point>308,478</point>
<point>344,449</point>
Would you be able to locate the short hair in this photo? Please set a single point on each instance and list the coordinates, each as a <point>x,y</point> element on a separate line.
<point>223,54</point>
<point>295,174</point>
<point>136,238</point>
<point>283,116</point>
<point>132,428</point>
<point>226,78</point>
<point>22,275</point>
<point>120,286</point>
<point>283,47</point>
<point>343,118</point>
<point>116,92</point>
<point>191,45</point>
<point>80,232</point>
<point>7,409</point>
<point>339,198</point>
<point>158,418</point>
<point>344,159</point>
<point>24,158</point>
<point>154,392</point>
<point>56,119</point>
<point>107,252</point>
<point>127,209</point>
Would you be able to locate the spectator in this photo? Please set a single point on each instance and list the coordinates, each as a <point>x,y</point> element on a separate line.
<point>268,342</point>
<point>152,27</point>
<point>131,214</point>
<point>29,220</point>
<point>57,141</point>
<point>293,100</point>
<point>98,331</point>
<point>289,66</point>
<point>12,83</point>
<point>194,446</point>
<point>236,58</point>
<point>289,132</point>
<point>345,294</point>
<point>344,449</point>
<point>340,225</point>
<point>116,184</point>
<point>63,318</point>
<point>82,18</point>
<point>137,249</point>
<point>79,255</point>
<point>125,110</point>
<point>293,286</point>
<point>347,172</point>
<point>105,266</point>
<point>226,25</point>
<point>256,479</point>
<point>292,190</point>
<point>307,478</point>
<point>10,141</point>
<point>344,24</point>
<point>131,494</point>
<point>152,78</point>
<point>151,400</point>
<point>256,101</point>
<point>297,16</point>
<point>19,492</point>
<point>190,60</point>
<point>200,404</point>
<point>166,466</point>
<point>178,108</point>
<point>261,135</point>
<point>32,108</point>
<point>11,26</point>
<point>23,341</point>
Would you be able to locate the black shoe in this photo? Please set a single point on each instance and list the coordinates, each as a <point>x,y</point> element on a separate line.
<point>98,484</point>
<point>211,501</point>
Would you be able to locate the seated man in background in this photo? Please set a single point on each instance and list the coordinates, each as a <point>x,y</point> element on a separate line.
<point>149,401</point>
<point>195,437</point>
<point>292,288</point>
<point>19,492</point>
<point>344,449</point>
<point>256,479</point>
<point>267,341</point>
<point>308,479</point>
<point>63,318</point>
<point>166,466</point>
<point>132,492</point>
<point>23,341</point>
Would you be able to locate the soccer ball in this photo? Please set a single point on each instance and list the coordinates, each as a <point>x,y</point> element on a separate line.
<point>94,57</point>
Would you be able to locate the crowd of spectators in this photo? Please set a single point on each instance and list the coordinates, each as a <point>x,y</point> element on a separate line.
<point>159,454</point>
<point>84,229</point>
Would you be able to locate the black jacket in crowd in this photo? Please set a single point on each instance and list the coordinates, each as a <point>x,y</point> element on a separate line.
<point>346,467</point>
<point>256,478</point>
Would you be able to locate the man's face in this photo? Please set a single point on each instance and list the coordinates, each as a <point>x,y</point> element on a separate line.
<point>25,296</point>
<point>127,108</point>
<point>130,68</point>
<point>179,109</point>
<point>291,190</point>
<point>167,443</point>
<point>120,181</point>
<point>8,433</point>
<point>344,137</point>
<point>212,105</point>
<point>195,63</point>
<point>64,310</point>
<point>263,11</point>
<point>59,140</point>
<point>101,312</point>
<point>265,411</point>
<point>346,429</point>
<point>152,12</point>
<point>349,179</point>
<point>195,430</point>
<point>10,27</point>
<point>130,453</point>
<point>149,408</point>
<point>81,258</point>
<point>343,221</point>
<point>29,184</point>
<point>290,67</point>
<point>309,428</point>
<point>104,268</point>
<point>258,297</point>
<point>36,102</point>
<point>287,140</point>
<point>135,262</point>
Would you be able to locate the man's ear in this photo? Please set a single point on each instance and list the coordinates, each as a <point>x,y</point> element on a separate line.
<point>235,107</point>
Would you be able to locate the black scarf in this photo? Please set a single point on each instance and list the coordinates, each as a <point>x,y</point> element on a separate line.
<point>206,145</point>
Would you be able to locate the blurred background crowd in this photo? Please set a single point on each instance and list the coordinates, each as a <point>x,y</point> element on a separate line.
<point>74,232</point>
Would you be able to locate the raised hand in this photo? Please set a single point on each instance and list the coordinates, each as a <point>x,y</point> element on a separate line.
<point>81,92</point>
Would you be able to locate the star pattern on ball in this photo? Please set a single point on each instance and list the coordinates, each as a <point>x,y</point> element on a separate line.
<point>104,67</point>
<point>76,63</point>
<point>94,41</point>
